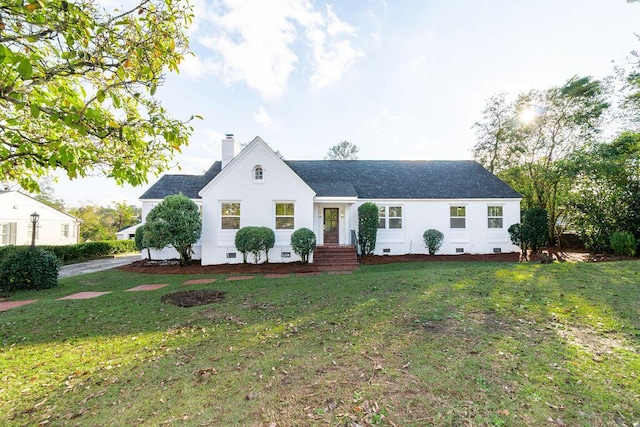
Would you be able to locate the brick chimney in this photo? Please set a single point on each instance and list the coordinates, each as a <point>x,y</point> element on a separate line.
<point>228,149</point>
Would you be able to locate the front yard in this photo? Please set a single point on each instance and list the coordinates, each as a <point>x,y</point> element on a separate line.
<point>400,344</point>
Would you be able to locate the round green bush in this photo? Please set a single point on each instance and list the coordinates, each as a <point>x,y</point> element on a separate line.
<point>303,242</point>
<point>29,269</point>
<point>254,240</point>
<point>433,240</point>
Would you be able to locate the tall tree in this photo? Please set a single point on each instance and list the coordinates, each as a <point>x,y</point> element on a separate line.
<point>528,141</point>
<point>606,195</point>
<point>344,150</point>
<point>103,222</point>
<point>77,87</point>
<point>46,194</point>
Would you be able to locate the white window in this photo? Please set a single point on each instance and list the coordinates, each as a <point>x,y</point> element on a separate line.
<point>390,217</point>
<point>258,173</point>
<point>30,232</point>
<point>230,214</point>
<point>458,216</point>
<point>8,233</point>
<point>285,216</point>
<point>64,230</point>
<point>382,217</point>
<point>494,214</point>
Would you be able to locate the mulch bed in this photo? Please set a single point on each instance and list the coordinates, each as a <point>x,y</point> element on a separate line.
<point>390,259</point>
<point>195,268</point>
<point>296,267</point>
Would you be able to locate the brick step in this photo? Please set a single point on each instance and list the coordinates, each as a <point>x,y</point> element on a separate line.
<point>327,256</point>
<point>345,267</point>
<point>337,265</point>
<point>335,258</point>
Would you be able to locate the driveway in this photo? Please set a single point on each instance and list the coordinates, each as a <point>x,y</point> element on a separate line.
<point>96,265</point>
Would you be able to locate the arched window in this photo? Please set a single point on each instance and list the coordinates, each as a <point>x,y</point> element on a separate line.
<point>257,173</point>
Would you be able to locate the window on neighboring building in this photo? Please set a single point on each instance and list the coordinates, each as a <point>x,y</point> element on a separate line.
<point>8,233</point>
<point>390,217</point>
<point>258,173</point>
<point>64,230</point>
<point>30,232</point>
<point>285,216</point>
<point>230,216</point>
<point>494,214</point>
<point>458,216</point>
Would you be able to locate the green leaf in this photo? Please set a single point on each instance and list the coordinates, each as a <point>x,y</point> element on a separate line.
<point>116,100</point>
<point>35,111</point>
<point>100,96</point>
<point>25,69</point>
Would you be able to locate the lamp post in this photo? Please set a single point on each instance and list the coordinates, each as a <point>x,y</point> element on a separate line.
<point>35,217</point>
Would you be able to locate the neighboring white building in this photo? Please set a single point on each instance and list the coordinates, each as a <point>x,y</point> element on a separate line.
<point>128,233</point>
<point>468,204</point>
<point>53,228</point>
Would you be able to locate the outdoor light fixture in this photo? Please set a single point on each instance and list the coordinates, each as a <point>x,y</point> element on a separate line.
<point>35,217</point>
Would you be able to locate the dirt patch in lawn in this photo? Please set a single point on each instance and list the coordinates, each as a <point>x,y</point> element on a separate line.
<point>193,298</point>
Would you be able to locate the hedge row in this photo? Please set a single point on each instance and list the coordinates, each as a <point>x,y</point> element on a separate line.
<point>69,254</point>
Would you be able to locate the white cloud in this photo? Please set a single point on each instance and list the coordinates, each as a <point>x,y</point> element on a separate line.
<point>256,42</point>
<point>263,118</point>
<point>384,123</point>
<point>195,68</point>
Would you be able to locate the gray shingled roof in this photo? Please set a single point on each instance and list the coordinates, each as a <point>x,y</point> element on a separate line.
<point>189,185</point>
<point>392,179</point>
<point>369,179</point>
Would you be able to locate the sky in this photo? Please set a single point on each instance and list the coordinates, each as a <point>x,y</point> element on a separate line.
<point>400,79</point>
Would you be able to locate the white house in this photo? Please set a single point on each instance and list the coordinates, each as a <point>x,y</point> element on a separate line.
<point>468,204</point>
<point>128,233</point>
<point>53,228</point>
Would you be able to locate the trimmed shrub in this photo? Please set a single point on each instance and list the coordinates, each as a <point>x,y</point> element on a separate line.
<point>532,233</point>
<point>267,239</point>
<point>537,220</point>
<point>174,222</point>
<point>623,243</point>
<point>520,236</point>
<point>246,241</point>
<point>29,269</point>
<point>433,240</point>
<point>68,254</point>
<point>254,240</point>
<point>303,242</point>
<point>367,227</point>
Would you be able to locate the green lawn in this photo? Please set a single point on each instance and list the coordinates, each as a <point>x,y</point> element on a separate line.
<point>407,344</point>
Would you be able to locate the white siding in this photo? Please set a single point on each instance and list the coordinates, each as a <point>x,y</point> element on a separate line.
<point>421,215</point>
<point>257,200</point>
<point>16,208</point>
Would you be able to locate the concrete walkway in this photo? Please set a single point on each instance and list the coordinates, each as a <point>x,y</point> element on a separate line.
<point>96,265</point>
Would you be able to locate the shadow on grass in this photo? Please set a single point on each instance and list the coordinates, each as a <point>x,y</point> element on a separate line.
<point>456,341</point>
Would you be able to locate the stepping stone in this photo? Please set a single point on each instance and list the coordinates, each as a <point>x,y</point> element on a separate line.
<point>315,273</point>
<point>276,276</point>
<point>340,272</point>
<point>198,281</point>
<point>146,287</point>
<point>240,277</point>
<point>83,295</point>
<point>6,305</point>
